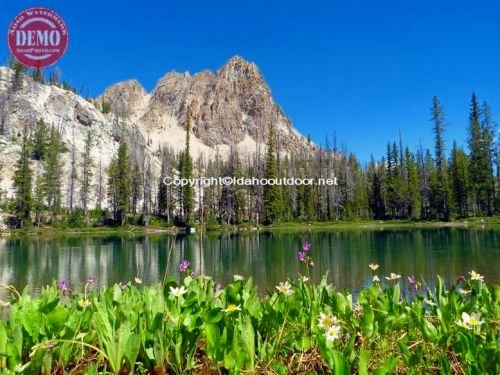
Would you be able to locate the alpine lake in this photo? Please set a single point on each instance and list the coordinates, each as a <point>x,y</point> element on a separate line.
<point>268,257</point>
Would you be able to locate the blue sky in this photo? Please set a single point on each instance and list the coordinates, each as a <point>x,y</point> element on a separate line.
<point>365,69</point>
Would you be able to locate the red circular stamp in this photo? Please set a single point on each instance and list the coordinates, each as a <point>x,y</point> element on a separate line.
<point>37,37</point>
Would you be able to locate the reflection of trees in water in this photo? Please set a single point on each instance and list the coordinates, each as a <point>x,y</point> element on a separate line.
<point>268,257</point>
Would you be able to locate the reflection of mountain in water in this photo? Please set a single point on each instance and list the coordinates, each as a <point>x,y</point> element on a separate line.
<point>268,257</point>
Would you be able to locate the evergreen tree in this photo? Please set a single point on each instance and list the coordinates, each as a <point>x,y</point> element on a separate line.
<point>459,180</point>
<point>272,193</point>
<point>440,188</point>
<point>18,77</point>
<point>39,141</point>
<point>122,181</point>
<point>39,200</point>
<point>187,173</point>
<point>375,190</point>
<point>52,174</point>
<point>37,75</point>
<point>23,180</point>
<point>87,172</point>
<point>479,161</point>
<point>412,182</point>
<point>488,130</point>
<point>136,187</point>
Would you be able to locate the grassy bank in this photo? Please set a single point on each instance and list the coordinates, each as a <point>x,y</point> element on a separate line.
<point>482,223</point>
<point>201,327</point>
<point>486,222</point>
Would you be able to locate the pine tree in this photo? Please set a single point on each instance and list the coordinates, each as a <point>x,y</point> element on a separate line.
<point>187,173</point>
<point>18,78</point>
<point>440,187</point>
<point>375,190</point>
<point>488,131</point>
<point>412,182</point>
<point>87,172</point>
<point>39,141</point>
<point>23,180</point>
<point>272,193</point>
<point>479,170</point>
<point>122,183</point>
<point>53,172</point>
<point>39,199</point>
<point>459,180</point>
<point>136,187</point>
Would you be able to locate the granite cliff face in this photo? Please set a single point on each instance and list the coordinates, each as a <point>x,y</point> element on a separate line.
<point>231,108</point>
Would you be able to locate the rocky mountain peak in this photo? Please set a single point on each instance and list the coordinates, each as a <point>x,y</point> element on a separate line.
<point>237,68</point>
<point>126,98</point>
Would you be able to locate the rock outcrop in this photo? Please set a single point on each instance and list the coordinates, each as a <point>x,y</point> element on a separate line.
<point>230,108</point>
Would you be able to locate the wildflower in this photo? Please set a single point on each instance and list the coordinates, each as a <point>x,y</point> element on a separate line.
<point>178,292</point>
<point>326,320</point>
<point>63,285</point>
<point>238,278</point>
<point>122,285</point>
<point>91,280</point>
<point>411,280</point>
<point>373,266</point>
<point>307,246</point>
<point>460,278</point>
<point>301,255</point>
<point>376,279</point>
<point>393,276</point>
<point>218,287</point>
<point>232,308</point>
<point>137,280</point>
<point>472,320</point>
<point>476,276</point>
<point>183,267</point>
<point>465,292</point>
<point>83,303</point>
<point>311,264</point>
<point>4,304</point>
<point>304,279</point>
<point>193,274</point>
<point>285,288</point>
<point>332,333</point>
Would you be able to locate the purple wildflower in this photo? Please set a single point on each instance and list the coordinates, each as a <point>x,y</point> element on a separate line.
<point>307,246</point>
<point>63,285</point>
<point>183,267</point>
<point>218,287</point>
<point>193,274</point>
<point>91,280</point>
<point>301,255</point>
<point>411,280</point>
<point>460,278</point>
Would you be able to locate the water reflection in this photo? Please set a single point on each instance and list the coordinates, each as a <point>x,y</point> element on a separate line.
<point>268,257</point>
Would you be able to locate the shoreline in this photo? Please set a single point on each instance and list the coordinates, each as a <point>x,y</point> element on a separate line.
<point>471,223</point>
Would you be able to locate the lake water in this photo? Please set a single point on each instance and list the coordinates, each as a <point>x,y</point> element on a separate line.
<point>268,257</point>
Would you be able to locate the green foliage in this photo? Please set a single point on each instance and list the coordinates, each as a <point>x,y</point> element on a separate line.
<point>105,106</point>
<point>23,181</point>
<point>186,172</point>
<point>119,189</point>
<point>273,205</point>
<point>39,140</point>
<point>175,328</point>
<point>52,172</point>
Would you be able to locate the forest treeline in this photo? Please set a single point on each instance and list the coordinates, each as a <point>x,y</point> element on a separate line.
<point>439,184</point>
